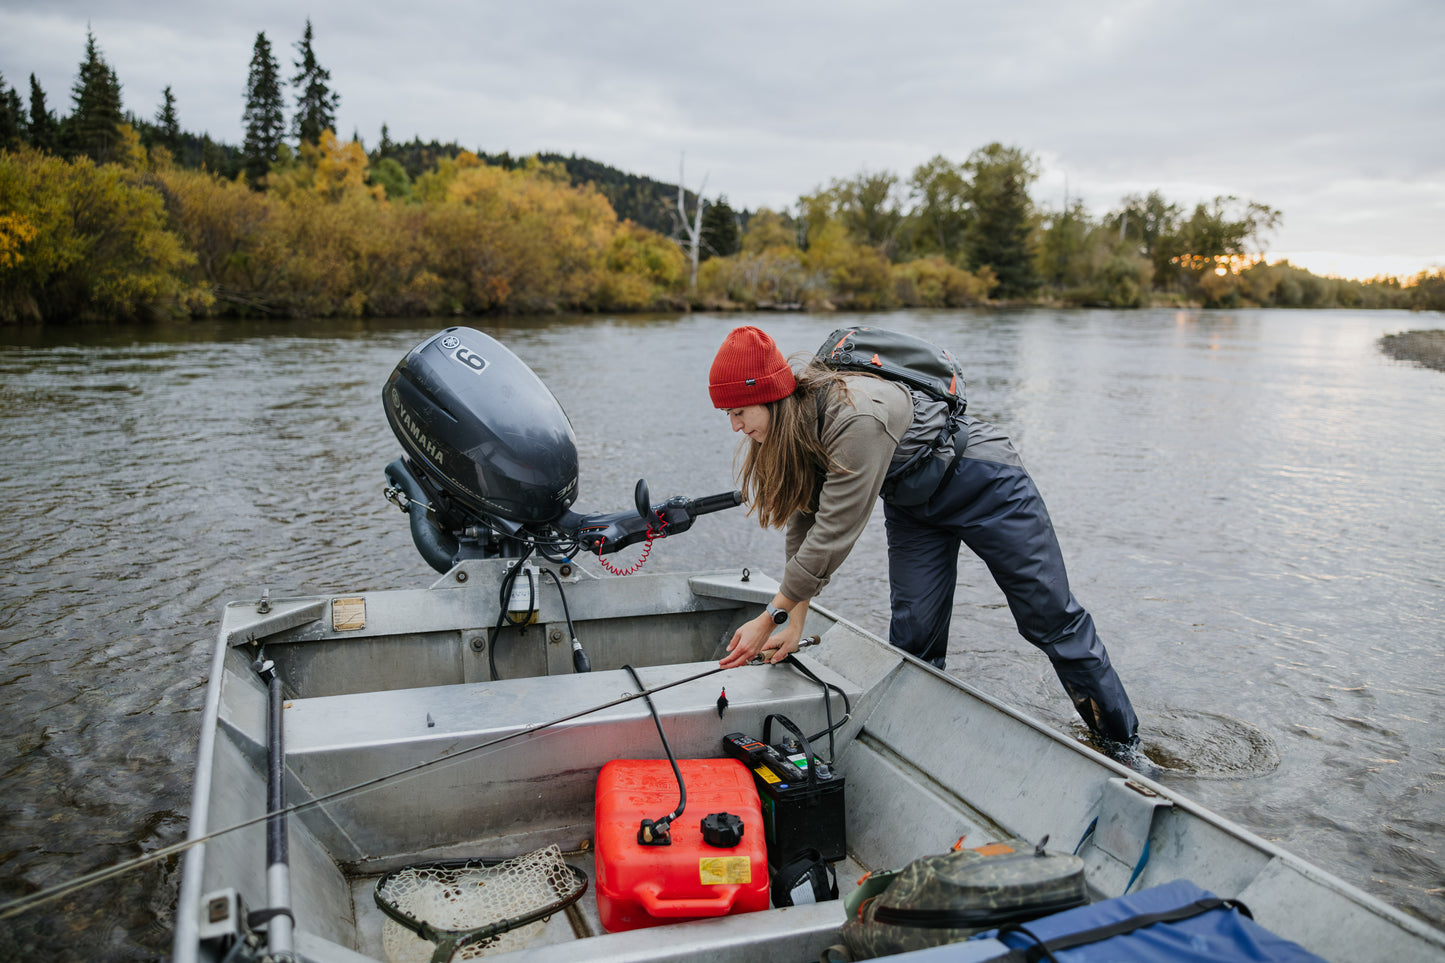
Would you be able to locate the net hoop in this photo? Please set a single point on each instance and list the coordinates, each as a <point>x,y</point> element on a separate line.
<point>467,904</point>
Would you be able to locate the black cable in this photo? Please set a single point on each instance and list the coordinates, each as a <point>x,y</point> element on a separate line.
<point>827,706</point>
<point>580,662</point>
<point>504,598</point>
<point>566,613</point>
<point>659,827</point>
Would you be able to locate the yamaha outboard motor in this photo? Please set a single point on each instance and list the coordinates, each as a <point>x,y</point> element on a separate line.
<point>490,461</point>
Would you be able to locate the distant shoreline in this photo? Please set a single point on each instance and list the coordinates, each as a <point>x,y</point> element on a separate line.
<point>1422,347</point>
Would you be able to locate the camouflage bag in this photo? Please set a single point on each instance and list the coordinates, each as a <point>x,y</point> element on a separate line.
<point>950,897</point>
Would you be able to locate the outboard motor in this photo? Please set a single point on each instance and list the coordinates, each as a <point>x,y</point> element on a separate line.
<point>490,461</point>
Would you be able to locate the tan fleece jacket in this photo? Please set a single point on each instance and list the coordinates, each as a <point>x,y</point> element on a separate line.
<point>860,432</point>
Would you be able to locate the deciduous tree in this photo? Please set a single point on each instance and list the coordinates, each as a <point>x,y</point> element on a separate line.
<point>100,247</point>
<point>1063,251</point>
<point>388,172</point>
<point>767,229</point>
<point>870,210</point>
<point>939,191</point>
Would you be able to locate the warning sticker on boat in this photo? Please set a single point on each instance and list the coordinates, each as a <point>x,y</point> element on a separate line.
<point>348,615</point>
<point>767,774</point>
<point>722,870</point>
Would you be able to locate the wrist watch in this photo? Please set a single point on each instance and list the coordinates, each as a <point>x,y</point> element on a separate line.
<point>779,616</point>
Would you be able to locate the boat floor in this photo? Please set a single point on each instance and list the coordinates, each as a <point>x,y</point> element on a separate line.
<point>582,920</point>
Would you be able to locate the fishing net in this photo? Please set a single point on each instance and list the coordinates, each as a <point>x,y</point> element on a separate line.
<point>466,909</point>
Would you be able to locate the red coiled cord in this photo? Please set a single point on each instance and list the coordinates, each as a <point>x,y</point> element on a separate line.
<point>646,550</point>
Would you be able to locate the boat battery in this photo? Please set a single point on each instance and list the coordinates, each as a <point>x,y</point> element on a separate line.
<point>802,798</point>
<point>691,877</point>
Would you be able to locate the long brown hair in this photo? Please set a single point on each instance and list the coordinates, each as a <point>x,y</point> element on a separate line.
<point>781,475</point>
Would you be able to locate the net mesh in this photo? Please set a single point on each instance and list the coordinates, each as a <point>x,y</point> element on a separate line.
<point>463,898</point>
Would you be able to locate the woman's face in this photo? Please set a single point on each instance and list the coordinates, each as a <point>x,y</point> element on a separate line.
<point>752,420</point>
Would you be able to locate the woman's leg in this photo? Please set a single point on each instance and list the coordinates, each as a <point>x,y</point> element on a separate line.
<point>997,511</point>
<point>922,573</point>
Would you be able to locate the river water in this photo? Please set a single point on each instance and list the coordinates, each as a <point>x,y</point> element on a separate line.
<point>1249,502</point>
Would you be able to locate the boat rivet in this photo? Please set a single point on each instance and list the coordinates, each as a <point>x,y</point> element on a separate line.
<point>461,576</point>
<point>554,636</point>
<point>566,570</point>
<point>478,643</point>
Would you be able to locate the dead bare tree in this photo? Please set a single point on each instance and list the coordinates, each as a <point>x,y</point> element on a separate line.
<point>693,230</point>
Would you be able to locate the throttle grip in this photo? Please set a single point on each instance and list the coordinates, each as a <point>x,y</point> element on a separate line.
<point>716,503</point>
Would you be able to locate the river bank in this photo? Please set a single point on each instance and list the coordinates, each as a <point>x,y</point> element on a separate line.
<point>1422,347</point>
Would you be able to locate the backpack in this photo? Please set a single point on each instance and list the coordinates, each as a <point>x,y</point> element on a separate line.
<point>935,382</point>
<point>953,896</point>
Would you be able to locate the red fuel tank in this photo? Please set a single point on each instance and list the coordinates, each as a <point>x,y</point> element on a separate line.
<point>639,885</point>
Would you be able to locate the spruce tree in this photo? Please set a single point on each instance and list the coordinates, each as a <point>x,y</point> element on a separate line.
<point>720,234</point>
<point>93,128</point>
<point>168,128</point>
<point>43,125</point>
<point>12,117</point>
<point>316,102</point>
<point>264,121</point>
<point>1000,226</point>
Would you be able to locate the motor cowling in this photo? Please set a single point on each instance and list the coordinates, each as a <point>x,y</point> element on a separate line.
<point>483,429</point>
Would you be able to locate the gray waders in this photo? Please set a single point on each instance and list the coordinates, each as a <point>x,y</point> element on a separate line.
<point>988,502</point>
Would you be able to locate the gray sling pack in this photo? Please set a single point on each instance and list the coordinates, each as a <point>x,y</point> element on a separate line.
<point>935,381</point>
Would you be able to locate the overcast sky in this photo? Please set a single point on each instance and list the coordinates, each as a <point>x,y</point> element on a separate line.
<point>1331,112</point>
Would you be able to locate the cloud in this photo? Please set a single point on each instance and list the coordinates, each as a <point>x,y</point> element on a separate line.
<point>1327,110</point>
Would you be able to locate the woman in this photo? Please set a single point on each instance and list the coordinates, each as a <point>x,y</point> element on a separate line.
<point>820,444</point>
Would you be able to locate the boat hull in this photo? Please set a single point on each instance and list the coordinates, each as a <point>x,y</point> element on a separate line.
<point>401,683</point>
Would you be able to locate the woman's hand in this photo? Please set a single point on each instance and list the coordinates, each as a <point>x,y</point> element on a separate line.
<point>757,638</point>
<point>747,641</point>
<point>782,644</point>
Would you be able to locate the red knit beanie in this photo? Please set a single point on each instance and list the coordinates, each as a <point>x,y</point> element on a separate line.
<point>749,370</point>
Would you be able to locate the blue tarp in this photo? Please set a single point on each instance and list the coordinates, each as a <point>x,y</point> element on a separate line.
<point>1210,937</point>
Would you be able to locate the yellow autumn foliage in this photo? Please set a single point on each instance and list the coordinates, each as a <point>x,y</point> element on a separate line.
<point>319,240</point>
<point>86,242</point>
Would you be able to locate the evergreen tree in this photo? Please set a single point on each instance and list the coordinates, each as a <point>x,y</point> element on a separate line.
<point>263,118</point>
<point>720,234</point>
<point>316,102</point>
<point>1000,228</point>
<point>43,125</point>
<point>93,128</point>
<point>12,117</point>
<point>168,128</point>
<point>214,156</point>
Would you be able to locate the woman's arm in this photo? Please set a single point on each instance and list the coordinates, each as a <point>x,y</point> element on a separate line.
<point>860,435</point>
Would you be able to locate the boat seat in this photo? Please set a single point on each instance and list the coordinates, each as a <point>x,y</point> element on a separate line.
<point>515,756</point>
<point>506,707</point>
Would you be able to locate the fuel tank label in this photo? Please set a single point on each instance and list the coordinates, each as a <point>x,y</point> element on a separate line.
<point>723,870</point>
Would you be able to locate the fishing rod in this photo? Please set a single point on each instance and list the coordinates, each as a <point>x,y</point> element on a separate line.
<point>41,897</point>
